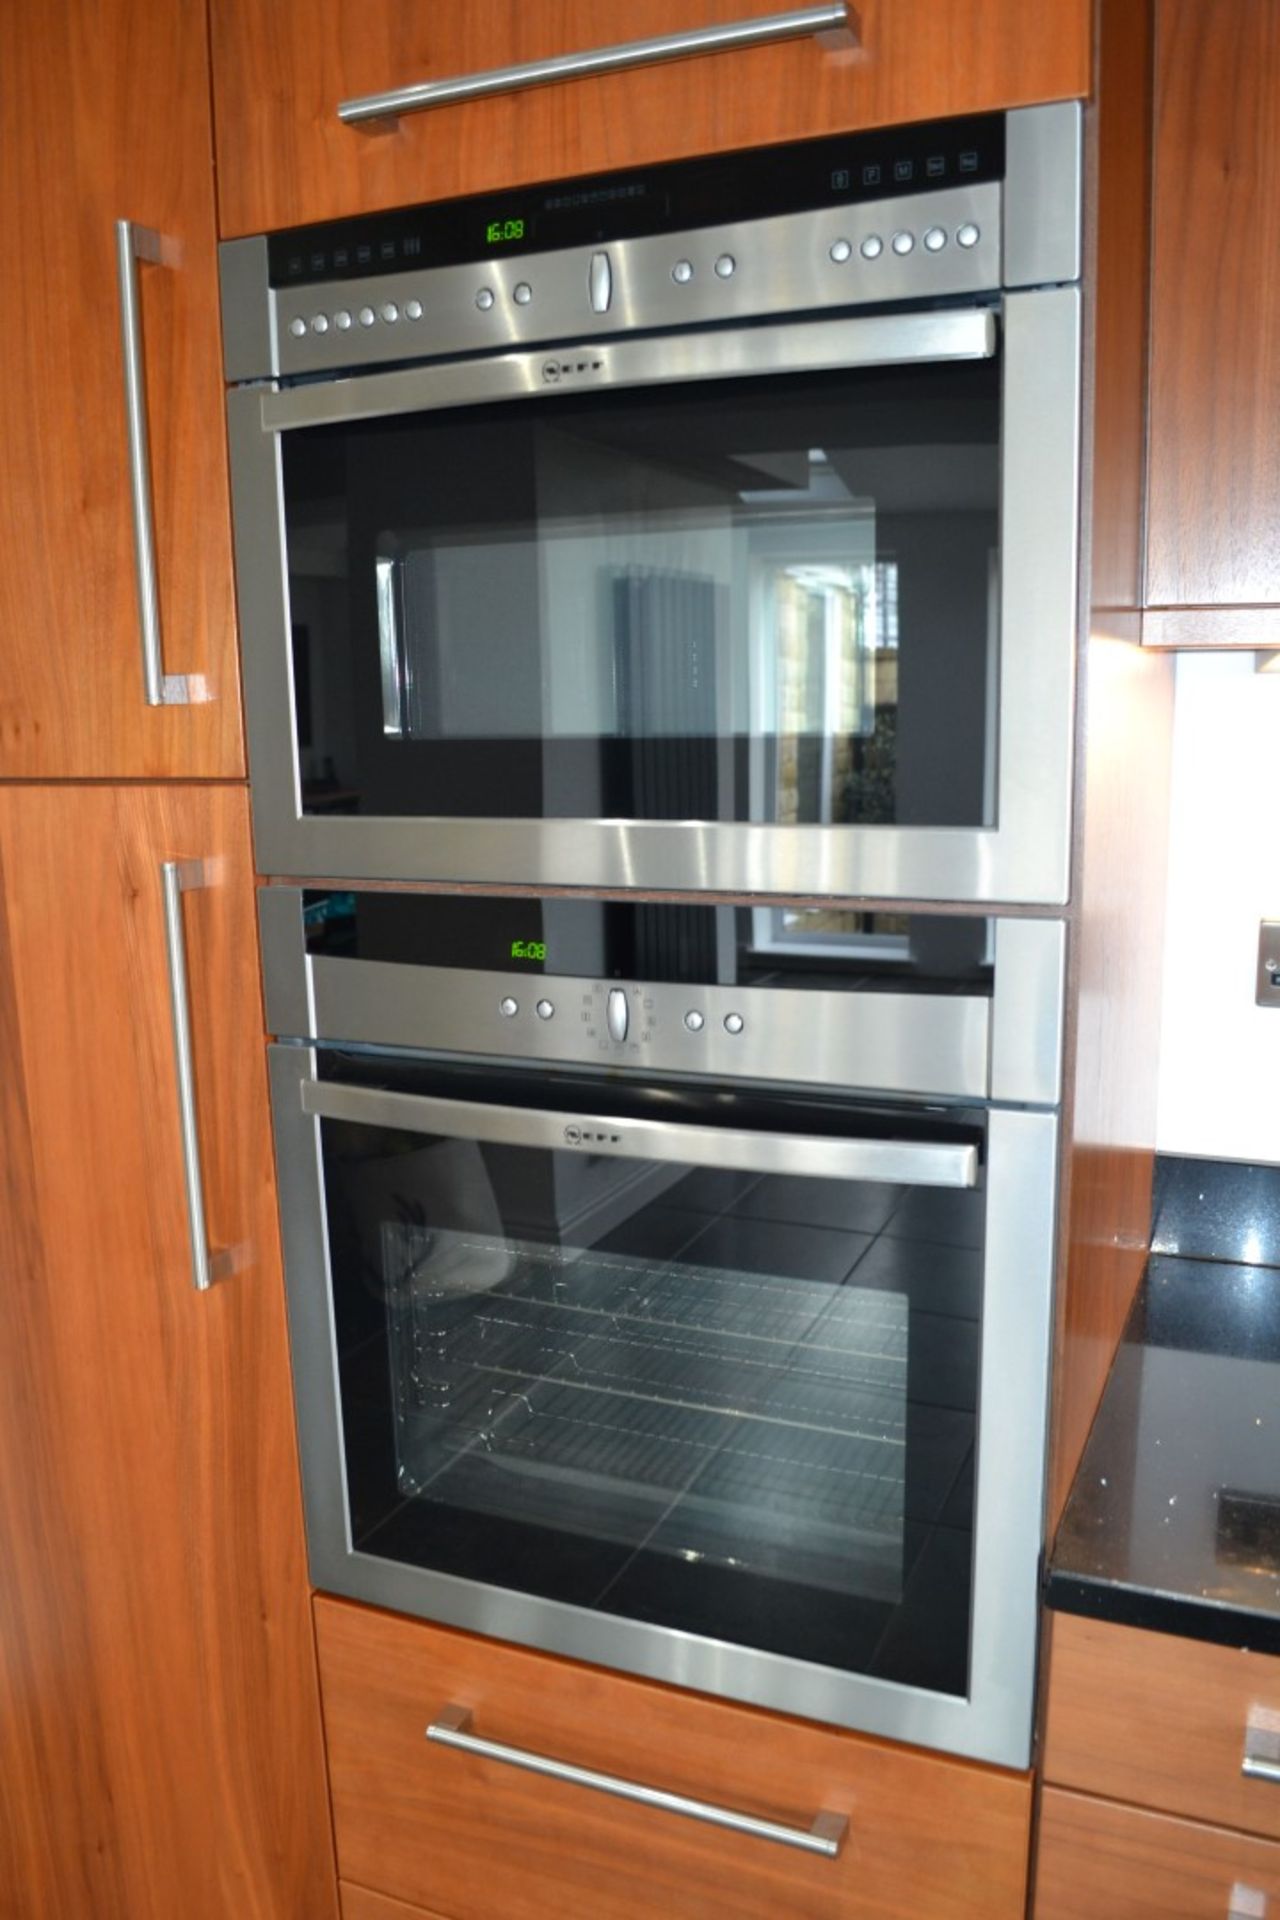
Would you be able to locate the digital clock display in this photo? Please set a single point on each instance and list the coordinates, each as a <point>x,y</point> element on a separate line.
<point>498,232</point>
<point>528,949</point>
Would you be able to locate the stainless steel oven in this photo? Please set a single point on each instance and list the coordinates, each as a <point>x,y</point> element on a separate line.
<point>669,1286</point>
<point>708,527</point>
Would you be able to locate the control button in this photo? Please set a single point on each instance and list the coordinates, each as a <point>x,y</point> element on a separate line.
<point>367,316</point>
<point>682,272</point>
<point>389,311</point>
<point>903,242</point>
<point>693,1020</point>
<point>298,327</point>
<point>342,320</point>
<point>319,323</point>
<point>733,1023</point>
<point>544,1009</point>
<point>936,239</point>
<point>968,235</point>
<point>484,299</point>
<point>523,293</point>
<point>726,266</point>
<point>872,247</point>
<point>508,1007</point>
<point>617,1014</point>
<point>840,251</point>
<point>413,309</point>
<point>600,283</point>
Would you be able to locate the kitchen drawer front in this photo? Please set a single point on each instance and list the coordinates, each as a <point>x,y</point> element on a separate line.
<point>475,1838</point>
<point>1097,1861</point>
<point>359,1904</point>
<point>1163,1722</point>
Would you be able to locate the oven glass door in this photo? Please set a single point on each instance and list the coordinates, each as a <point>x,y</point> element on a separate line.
<point>771,600</point>
<point>627,1367</point>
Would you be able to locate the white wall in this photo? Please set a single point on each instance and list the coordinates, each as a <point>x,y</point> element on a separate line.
<point>1220,1054</point>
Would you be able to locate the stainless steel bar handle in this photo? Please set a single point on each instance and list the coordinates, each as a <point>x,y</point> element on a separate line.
<point>824,1837</point>
<point>923,1163</point>
<point>389,582</point>
<point>1254,1767</point>
<point>1262,1746</point>
<point>135,243</point>
<point>384,108</point>
<point>177,878</point>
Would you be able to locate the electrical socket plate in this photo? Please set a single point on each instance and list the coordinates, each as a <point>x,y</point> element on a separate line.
<point>1268,993</point>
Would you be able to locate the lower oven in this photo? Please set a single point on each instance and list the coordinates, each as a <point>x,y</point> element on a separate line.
<point>734,1378</point>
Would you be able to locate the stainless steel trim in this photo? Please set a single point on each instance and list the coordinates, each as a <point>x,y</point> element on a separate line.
<point>992,1723</point>
<point>784,265</point>
<point>248,309</point>
<point>808,346</point>
<point>1044,194</point>
<point>388,582</point>
<point>135,243</point>
<point>451,1728</point>
<point>904,1162</point>
<point>381,108</point>
<point>1027,1011</point>
<point>287,991</point>
<point>179,877</point>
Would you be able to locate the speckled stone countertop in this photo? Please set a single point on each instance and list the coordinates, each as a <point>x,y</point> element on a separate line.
<point>1174,1519</point>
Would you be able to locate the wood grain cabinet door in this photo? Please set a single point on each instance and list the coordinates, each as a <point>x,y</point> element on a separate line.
<point>282,66</point>
<point>1214,442</point>
<point>160,1739</point>
<point>105,116</point>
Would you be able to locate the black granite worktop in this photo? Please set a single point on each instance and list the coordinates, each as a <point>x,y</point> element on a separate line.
<point>1174,1519</point>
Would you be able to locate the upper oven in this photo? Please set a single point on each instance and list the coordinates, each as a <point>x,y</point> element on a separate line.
<point>714,528</point>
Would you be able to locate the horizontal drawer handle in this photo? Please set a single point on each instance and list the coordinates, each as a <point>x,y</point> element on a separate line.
<point>825,1836</point>
<point>1262,1746</point>
<point>382,108</point>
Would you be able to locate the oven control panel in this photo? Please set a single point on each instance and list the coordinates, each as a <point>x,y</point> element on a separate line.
<point>945,242</point>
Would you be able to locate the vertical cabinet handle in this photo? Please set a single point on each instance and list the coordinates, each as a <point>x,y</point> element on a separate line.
<point>133,244</point>
<point>383,108</point>
<point>179,877</point>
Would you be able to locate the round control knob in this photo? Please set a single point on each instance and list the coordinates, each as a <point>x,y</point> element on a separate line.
<point>903,242</point>
<point>544,1009</point>
<point>682,272</point>
<point>839,251</point>
<point>389,311</point>
<point>320,323</point>
<point>523,293</point>
<point>726,266</point>
<point>693,1020</point>
<point>413,309</point>
<point>935,240</point>
<point>508,1007</point>
<point>298,327</point>
<point>342,320</point>
<point>367,316</point>
<point>733,1023</point>
<point>484,299</point>
<point>872,247</point>
<point>968,235</point>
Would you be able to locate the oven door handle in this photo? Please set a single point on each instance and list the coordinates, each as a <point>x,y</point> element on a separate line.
<point>915,1163</point>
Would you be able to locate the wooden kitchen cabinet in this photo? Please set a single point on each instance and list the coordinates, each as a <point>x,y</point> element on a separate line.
<point>160,1737</point>
<point>436,1829</point>
<point>282,66</point>
<point>1146,1810</point>
<point>105,115</point>
<point>1214,452</point>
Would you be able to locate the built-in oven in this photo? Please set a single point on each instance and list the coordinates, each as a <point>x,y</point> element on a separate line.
<point>669,1286</point>
<point>711,526</point>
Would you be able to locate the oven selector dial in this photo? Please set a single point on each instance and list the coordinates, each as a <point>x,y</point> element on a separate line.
<point>544,1009</point>
<point>693,1020</point>
<point>600,283</point>
<point>508,1007</point>
<point>618,1014</point>
<point>733,1023</point>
